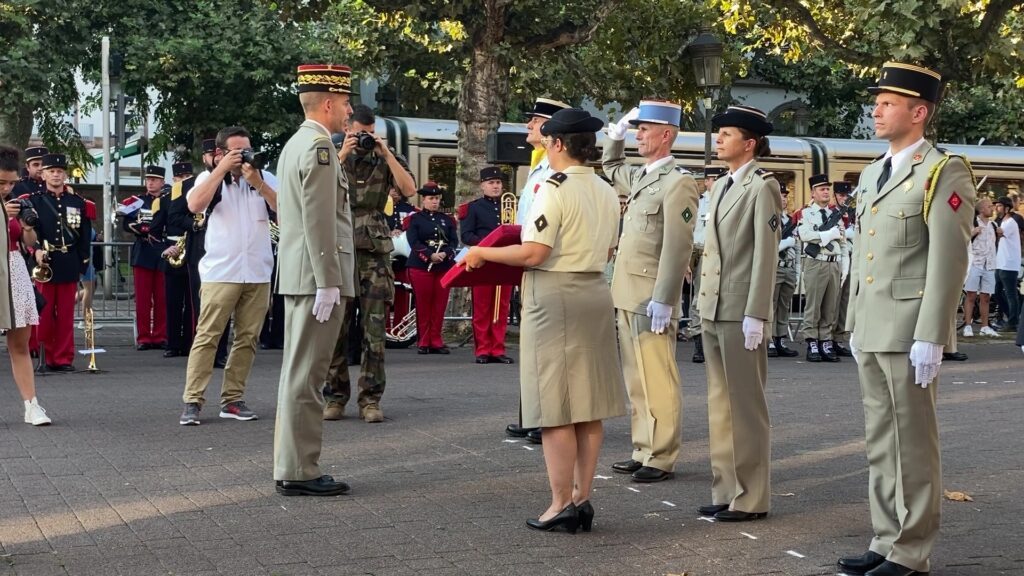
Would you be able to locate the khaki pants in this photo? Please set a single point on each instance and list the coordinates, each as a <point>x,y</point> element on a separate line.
<point>219,300</point>
<point>821,286</point>
<point>738,424</point>
<point>652,381</point>
<point>904,470</point>
<point>839,330</point>
<point>308,345</point>
<point>782,296</point>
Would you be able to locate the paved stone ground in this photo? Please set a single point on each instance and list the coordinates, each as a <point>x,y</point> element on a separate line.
<point>116,486</point>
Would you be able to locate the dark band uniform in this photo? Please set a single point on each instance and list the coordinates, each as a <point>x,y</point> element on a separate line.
<point>169,225</point>
<point>28,185</point>
<point>150,307</point>
<point>429,233</point>
<point>482,216</point>
<point>64,230</point>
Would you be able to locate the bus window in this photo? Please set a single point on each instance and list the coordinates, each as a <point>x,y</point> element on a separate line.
<point>996,187</point>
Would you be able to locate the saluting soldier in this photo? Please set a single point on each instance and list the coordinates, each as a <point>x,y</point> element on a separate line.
<point>433,239</point>
<point>180,327</point>
<point>150,306</point>
<point>821,267</point>
<point>915,206</point>
<point>63,233</point>
<point>316,274</point>
<point>483,216</point>
<point>740,260</point>
<point>711,173</point>
<point>842,190</point>
<point>785,282</point>
<point>653,254</point>
<point>32,181</point>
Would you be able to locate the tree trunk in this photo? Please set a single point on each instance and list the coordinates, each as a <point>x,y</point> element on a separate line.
<point>16,125</point>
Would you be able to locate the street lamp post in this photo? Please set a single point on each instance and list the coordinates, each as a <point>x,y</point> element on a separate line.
<point>705,53</point>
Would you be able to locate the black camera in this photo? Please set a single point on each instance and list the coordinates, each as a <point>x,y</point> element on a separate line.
<point>248,156</point>
<point>365,141</point>
<point>27,213</point>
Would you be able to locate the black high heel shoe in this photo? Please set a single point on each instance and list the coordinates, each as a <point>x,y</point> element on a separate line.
<point>568,518</point>
<point>586,514</point>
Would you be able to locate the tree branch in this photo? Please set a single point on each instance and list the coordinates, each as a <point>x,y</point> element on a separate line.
<point>804,16</point>
<point>569,34</point>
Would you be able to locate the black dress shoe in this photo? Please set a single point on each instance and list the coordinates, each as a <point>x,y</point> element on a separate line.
<point>534,436</point>
<point>858,565</point>
<point>785,352</point>
<point>568,519</point>
<point>954,356</point>
<point>712,509</point>
<point>322,486</point>
<point>827,353</point>
<point>142,347</point>
<point>171,354</point>
<point>627,466</point>
<point>888,568</point>
<point>648,474</point>
<point>739,516</point>
<point>423,350</point>
<point>441,350</point>
<point>773,352</point>
<point>841,351</point>
<point>483,359</point>
<point>60,367</point>
<point>220,362</point>
<point>517,431</point>
<point>813,355</point>
<point>502,359</point>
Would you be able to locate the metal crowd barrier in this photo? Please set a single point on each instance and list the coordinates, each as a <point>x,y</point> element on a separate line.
<point>114,293</point>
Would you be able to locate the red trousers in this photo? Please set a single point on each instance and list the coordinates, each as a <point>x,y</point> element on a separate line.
<point>401,306</point>
<point>150,306</point>
<point>56,330</point>
<point>431,300</point>
<point>488,334</point>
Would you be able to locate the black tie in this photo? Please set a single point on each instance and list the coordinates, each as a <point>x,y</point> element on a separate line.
<point>824,215</point>
<point>886,172</point>
<point>728,184</point>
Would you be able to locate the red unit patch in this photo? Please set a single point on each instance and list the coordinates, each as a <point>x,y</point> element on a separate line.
<point>955,201</point>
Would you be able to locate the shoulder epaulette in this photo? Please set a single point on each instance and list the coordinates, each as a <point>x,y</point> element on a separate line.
<point>175,191</point>
<point>557,179</point>
<point>683,170</point>
<point>764,173</point>
<point>155,206</point>
<point>933,178</point>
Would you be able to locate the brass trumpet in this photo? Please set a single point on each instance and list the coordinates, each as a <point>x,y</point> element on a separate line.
<point>42,273</point>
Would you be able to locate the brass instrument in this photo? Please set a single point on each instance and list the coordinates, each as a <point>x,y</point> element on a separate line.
<point>439,244</point>
<point>178,260</point>
<point>405,328</point>
<point>508,204</point>
<point>90,339</point>
<point>42,273</point>
<point>275,233</point>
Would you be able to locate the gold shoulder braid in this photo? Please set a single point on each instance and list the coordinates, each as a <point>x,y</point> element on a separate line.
<point>933,180</point>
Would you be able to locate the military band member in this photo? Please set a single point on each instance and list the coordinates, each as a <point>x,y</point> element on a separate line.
<point>316,274</point>
<point>711,173</point>
<point>915,206</point>
<point>821,267</point>
<point>32,181</point>
<point>401,209</point>
<point>150,305</point>
<point>63,233</point>
<point>483,215</point>
<point>653,254</point>
<point>372,169</point>
<point>842,193</point>
<point>433,239</point>
<point>740,260</point>
<point>180,326</point>
<point>785,283</point>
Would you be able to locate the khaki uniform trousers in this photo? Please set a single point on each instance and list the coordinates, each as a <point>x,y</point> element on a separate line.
<point>839,330</point>
<point>821,287</point>
<point>652,382</point>
<point>782,296</point>
<point>738,424</point>
<point>904,470</point>
<point>308,345</point>
<point>693,327</point>
<point>219,300</point>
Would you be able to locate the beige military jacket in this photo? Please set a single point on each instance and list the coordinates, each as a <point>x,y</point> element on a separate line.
<point>657,232</point>
<point>316,248</point>
<point>907,274</point>
<point>741,248</point>
<point>6,294</point>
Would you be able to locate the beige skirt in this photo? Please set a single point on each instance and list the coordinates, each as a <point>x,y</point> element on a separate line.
<point>569,361</point>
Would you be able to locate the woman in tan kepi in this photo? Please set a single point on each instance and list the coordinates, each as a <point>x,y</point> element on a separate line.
<point>569,369</point>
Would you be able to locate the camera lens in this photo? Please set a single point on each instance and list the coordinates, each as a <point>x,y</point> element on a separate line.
<point>366,141</point>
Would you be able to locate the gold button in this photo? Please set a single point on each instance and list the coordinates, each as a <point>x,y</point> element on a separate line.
<point>703,273</point>
<point>901,213</point>
<point>870,279</point>
<point>874,209</point>
<point>629,217</point>
<point>716,291</point>
<point>645,270</point>
<point>645,211</point>
<point>702,293</point>
<point>871,232</point>
<point>920,292</point>
<point>871,256</point>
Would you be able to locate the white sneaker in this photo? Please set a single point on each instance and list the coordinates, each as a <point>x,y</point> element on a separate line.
<point>969,332</point>
<point>34,413</point>
<point>988,331</point>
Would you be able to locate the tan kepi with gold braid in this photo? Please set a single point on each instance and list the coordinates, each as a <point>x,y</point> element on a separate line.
<point>325,78</point>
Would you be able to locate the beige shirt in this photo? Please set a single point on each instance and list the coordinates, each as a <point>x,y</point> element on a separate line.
<point>576,213</point>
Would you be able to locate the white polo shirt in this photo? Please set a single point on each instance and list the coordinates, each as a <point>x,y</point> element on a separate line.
<point>238,235</point>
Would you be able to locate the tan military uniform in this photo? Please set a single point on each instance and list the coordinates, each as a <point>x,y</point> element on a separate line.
<point>654,252</point>
<point>740,260</point>
<point>821,274</point>
<point>315,251</point>
<point>907,272</point>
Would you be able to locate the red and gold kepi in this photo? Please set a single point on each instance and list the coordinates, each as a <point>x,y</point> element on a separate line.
<point>909,80</point>
<point>325,78</point>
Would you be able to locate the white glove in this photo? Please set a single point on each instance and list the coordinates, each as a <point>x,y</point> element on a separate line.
<point>925,357</point>
<point>830,235</point>
<point>787,243</point>
<point>326,300</point>
<point>1022,348</point>
<point>853,348</point>
<point>660,315</point>
<point>618,130</point>
<point>753,332</point>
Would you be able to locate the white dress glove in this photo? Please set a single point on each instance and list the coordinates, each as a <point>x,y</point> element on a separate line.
<point>853,348</point>
<point>925,357</point>
<point>787,243</point>
<point>326,300</point>
<point>660,315</point>
<point>618,130</point>
<point>753,332</point>
<point>830,235</point>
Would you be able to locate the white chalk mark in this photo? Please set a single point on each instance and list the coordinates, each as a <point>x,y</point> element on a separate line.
<point>795,554</point>
<point>633,489</point>
<point>528,448</point>
<point>283,508</point>
<point>751,536</point>
<point>667,503</point>
<point>510,441</point>
<point>1009,381</point>
<point>958,381</point>
<point>599,477</point>
<point>707,519</point>
<point>981,382</point>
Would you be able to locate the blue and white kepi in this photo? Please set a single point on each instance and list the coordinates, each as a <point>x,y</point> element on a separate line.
<point>659,112</point>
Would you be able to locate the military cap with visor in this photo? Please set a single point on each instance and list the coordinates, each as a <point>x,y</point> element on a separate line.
<point>490,173</point>
<point>35,153</point>
<point>430,189</point>
<point>331,78</point>
<point>746,117</point>
<point>55,161</point>
<point>909,80</point>
<point>818,180</point>
<point>571,121</point>
<point>181,168</point>
<point>546,108</point>
<point>156,172</point>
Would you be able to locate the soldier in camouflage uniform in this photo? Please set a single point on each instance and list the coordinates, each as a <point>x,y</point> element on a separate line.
<point>371,172</point>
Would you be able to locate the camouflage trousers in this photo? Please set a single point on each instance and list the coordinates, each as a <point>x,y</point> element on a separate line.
<point>376,282</point>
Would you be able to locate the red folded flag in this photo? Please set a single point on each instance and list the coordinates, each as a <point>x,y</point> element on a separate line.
<point>490,274</point>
